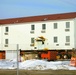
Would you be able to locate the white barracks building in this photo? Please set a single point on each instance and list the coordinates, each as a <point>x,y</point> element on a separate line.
<point>52,32</point>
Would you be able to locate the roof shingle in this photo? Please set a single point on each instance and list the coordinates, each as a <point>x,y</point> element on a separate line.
<point>39,18</point>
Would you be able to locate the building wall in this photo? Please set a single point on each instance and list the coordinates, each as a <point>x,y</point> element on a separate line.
<point>75,32</point>
<point>0,36</point>
<point>61,34</point>
<point>20,34</point>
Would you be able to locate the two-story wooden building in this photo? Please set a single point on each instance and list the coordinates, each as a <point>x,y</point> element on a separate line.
<point>52,32</point>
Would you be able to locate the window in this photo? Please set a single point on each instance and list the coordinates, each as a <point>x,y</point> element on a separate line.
<point>32,27</point>
<point>55,39</point>
<point>55,25</point>
<point>67,38</point>
<point>6,29</point>
<point>43,26</point>
<point>6,41</point>
<point>32,40</point>
<point>67,24</point>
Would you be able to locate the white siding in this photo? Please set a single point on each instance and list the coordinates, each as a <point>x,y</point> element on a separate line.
<point>75,33</point>
<point>0,37</point>
<point>10,54</point>
<point>20,34</point>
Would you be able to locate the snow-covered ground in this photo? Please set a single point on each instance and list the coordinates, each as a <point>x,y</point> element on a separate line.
<point>35,64</point>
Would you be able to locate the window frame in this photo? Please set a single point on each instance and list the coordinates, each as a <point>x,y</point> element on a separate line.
<point>67,38</point>
<point>67,24</point>
<point>6,41</point>
<point>55,25</point>
<point>32,27</point>
<point>6,29</point>
<point>43,26</point>
<point>55,39</point>
<point>32,40</point>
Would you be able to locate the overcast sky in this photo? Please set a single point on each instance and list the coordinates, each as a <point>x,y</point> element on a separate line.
<point>23,8</point>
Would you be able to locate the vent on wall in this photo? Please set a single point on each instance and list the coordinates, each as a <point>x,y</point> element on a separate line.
<point>57,44</point>
<point>35,47</point>
<point>67,44</point>
<point>5,45</point>
<point>43,31</point>
<point>67,29</point>
<point>6,33</point>
<point>31,31</point>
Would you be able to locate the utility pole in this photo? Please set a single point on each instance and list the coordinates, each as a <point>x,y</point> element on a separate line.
<point>17,60</point>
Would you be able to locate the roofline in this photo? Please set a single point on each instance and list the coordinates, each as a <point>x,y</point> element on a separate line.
<point>59,16</point>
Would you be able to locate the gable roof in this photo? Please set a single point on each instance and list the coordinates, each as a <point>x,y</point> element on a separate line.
<point>39,18</point>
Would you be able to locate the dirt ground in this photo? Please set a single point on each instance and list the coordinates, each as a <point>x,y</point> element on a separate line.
<point>38,72</point>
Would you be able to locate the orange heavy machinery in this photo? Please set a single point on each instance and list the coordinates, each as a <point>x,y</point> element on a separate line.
<point>2,54</point>
<point>50,55</point>
<point>55,55</point>
<point>41,48</point>
<point>73,59</point>
<point>47,54</point>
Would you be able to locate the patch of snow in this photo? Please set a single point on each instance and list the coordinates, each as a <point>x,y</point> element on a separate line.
<point>35,64</point>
